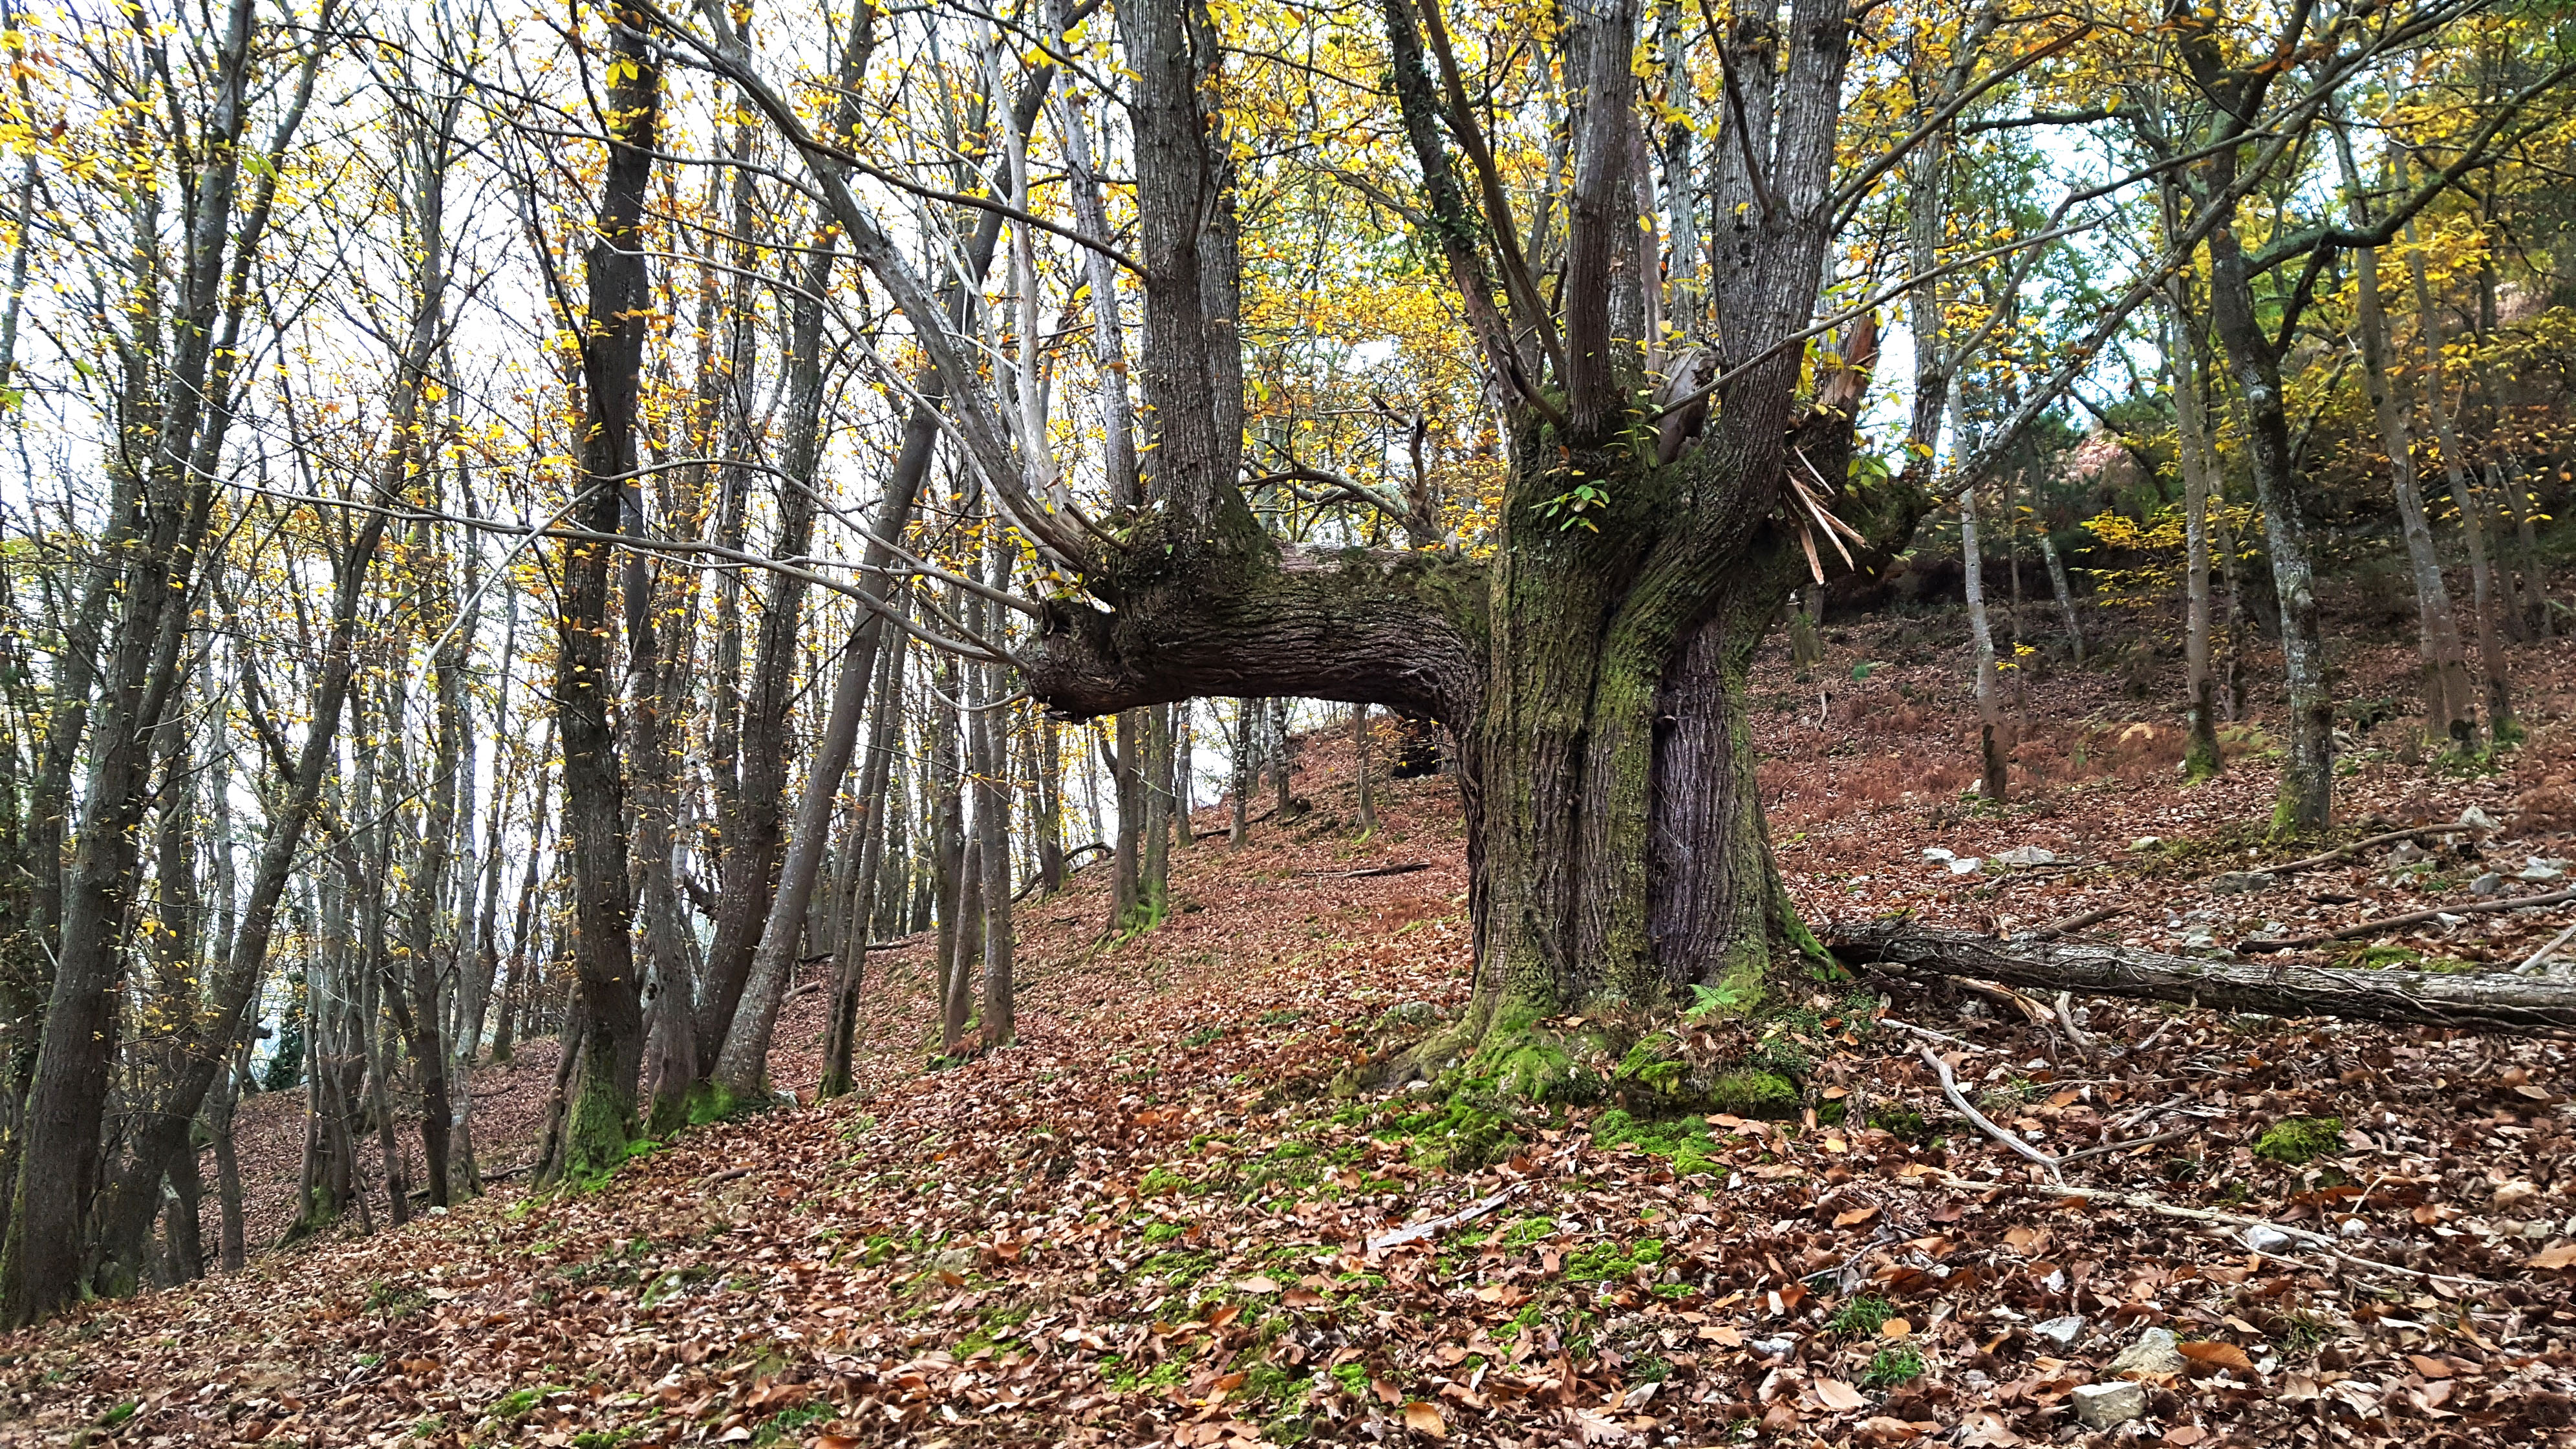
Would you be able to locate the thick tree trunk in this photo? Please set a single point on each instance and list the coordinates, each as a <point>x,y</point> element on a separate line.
<point>601,1117</point>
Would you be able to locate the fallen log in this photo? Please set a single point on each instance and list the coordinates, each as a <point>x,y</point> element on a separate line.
<point>2475,1001</point>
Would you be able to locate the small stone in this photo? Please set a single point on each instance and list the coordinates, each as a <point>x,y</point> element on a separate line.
<point>1774,1347</point>
<point>2239,882</point>
<point>2060,1333</point>
<point>2146,842</point>
<point>2265,1238</point>
<point>2026,855</point>
<point>2537,869</point>
<point>1934,852</point>
<point>1965,865</point>
<point>2106,1406</point>
<point>2487,884</point>
<point>2153,1353</point>
<point>2200,938</point>
<point>2476,819</point>
<point>2407,853</point>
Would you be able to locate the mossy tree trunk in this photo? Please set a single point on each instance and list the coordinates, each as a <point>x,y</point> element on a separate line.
<point>1660,503</point>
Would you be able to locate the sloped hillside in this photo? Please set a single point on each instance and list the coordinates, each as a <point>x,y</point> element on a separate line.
<point>1159,1220</point>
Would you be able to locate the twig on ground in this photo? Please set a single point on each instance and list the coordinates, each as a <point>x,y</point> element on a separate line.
<point>2157,1035</point>
<point>2144,1203</point>
<point>1985,1124</point>
<point>2106,1148</point>
<point>2366,928</point>
<point>2074,1033</point>
<point>2074,923</point>
<point>1925,1031</point>
<point>1467,1214</point>
<point>2413,832</point>
<point>2532,962</point>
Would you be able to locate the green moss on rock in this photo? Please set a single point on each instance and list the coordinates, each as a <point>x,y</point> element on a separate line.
<point>1751,1093</point>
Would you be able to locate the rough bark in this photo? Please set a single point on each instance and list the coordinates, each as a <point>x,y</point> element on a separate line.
<point>601,1115</point>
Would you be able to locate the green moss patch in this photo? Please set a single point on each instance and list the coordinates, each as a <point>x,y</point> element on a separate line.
<point>2299,1140</point>
<point>1685,1142</point>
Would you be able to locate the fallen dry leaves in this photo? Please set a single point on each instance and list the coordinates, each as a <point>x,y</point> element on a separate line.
<point>1150,1222</point>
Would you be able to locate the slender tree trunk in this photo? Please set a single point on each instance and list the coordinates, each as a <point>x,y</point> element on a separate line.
<point>743,1064</point>
<point>2201,756</point>
<point>228,1183</point>
<point>2450,704</point>
<point>874,831</point>
<point>1240,829</point>
<point>2305,803</point>
<point>1992,782</point>
<point>1154,785</point>
<point>1361,768</point>
<point>2483,597</point>
<point>752,835</point>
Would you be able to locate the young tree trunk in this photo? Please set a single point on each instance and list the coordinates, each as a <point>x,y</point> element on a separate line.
<point>1154,784</point>
<point>1240,827</point>
<point>755,825</point>
<point>2305,801</point>
<point>514,986</point>
<point>2483,595</point>
<point>2183,353</point>
<point>1122,750</point>
<point>228,1183</point>
<point>743,1065</point>
<point>1992,783</point>
<point>2522,503</point>
<point>1183,776</point>
<point>875,828</point>
<point>1049,766</point>
<point>2450,704</point>
<point>1361,767</point>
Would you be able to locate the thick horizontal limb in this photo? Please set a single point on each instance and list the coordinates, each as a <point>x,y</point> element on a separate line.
<point>1357,625</point>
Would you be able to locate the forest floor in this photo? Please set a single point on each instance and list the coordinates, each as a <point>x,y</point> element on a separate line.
<point>1153,1221</point>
